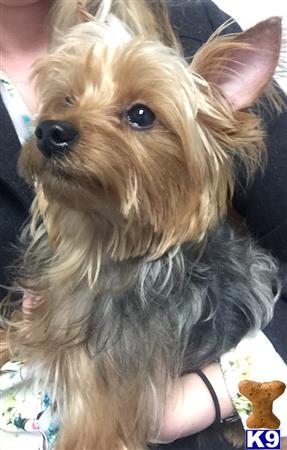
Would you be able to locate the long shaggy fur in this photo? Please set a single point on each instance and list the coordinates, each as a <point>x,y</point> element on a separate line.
<point>196,138</point>
<point>149,321</point>
<point>140,277</point>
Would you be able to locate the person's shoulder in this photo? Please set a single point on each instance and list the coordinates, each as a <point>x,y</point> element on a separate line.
<point>195,20</point>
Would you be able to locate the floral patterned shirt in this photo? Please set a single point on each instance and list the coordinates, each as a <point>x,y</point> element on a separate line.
<point>28,419</point>
<point>16,108</point>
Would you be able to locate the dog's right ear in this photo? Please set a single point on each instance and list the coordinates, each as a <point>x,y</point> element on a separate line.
<point>241,65</point>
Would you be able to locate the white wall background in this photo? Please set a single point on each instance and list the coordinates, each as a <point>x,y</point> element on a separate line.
<point>249,12</point>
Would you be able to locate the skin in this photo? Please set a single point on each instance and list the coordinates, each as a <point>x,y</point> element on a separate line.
<point>190,407</point>
<point>23,39</point>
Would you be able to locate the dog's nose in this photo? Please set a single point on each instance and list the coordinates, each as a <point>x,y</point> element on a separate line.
<point>55,137</point>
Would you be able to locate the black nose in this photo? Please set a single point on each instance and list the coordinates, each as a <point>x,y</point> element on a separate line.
<point>55,137</point>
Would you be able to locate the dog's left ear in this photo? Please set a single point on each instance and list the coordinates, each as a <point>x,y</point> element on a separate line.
<point>241,65</point>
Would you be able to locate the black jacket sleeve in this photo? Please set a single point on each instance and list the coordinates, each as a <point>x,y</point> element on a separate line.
<point>194,21</point>
<point>15,195</point>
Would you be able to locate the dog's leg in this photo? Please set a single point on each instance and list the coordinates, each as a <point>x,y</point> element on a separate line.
<point>99,413</point>
<point>235,434</point>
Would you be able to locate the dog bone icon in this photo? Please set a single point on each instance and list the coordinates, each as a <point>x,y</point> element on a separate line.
<point>262,396</point>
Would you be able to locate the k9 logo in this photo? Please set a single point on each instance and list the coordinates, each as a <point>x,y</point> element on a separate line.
<point>262,439</point>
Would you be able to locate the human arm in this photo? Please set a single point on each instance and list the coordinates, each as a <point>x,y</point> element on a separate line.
<point>190,407</point>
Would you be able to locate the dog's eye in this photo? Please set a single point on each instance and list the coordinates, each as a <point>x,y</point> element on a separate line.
<point>69,101</point>
<point>140,116</point>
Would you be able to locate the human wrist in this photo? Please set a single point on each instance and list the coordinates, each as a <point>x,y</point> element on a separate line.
<point>214,374</point>
<point>190,407</point>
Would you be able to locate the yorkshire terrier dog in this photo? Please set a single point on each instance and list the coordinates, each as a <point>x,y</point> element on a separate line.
<point>141,278</point>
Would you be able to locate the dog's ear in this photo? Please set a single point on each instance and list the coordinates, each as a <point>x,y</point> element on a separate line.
<point>241,65</point>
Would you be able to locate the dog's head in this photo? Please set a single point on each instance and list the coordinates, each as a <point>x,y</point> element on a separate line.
<point>140,140</point>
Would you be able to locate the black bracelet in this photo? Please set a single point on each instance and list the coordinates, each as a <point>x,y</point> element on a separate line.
<point>212,393</point>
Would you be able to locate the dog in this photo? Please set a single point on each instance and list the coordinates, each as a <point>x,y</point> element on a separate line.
<point>141,277</point>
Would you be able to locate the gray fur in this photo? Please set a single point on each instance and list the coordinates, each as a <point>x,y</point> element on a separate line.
<point>147,322</point>
<point>191,305</point>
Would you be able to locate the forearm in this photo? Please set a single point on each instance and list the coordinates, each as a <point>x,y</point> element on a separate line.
<point>190,407</point>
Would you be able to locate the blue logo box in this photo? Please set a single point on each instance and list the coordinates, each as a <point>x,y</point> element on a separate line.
<point>262,439</point>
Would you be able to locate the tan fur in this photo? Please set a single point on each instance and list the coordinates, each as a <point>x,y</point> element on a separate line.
<point>205,181</point>
<point>235,434</point>
<point>147,18</point>
<point>120,195</point>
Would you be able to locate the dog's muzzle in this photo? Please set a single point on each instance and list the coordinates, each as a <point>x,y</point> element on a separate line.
<point>55,137</point>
